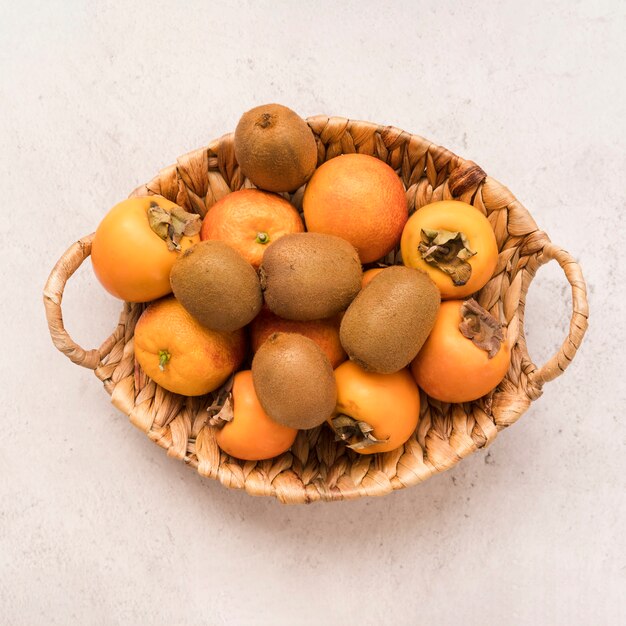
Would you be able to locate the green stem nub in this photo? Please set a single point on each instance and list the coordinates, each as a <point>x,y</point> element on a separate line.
<point>347,429</point>
<point>164,358</point>
<point>449,252</point>
<point>262,238</point>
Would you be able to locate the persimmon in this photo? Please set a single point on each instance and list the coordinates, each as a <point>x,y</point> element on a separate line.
<point>136,244</point>
<point>375,412</point>
<point>465,355</point>
<point>247,431</point>
<point>249,220</point>
<point>454,242</point>
<point>182,356</point>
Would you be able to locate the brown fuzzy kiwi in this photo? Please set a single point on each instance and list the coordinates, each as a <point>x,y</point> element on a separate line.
<point>275,148</point>
<point>310,276</point>
<point>217,286</point>
<point>389,321</point>
<point>294,381</point>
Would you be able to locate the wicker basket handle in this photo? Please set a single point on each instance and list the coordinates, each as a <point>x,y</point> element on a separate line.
<point>52,297</point>
<point>578,322</point>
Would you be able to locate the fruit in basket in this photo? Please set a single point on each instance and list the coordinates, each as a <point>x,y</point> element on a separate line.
<point>294,381</point>
<point>325,333</point>
<point>217,286</point>
<point>275,148</point>
<point>249,220</point>
<point>359,198</point>
<point>465,356</point>
<point>374,412</point>
<point>247,432</point>
<point>454,242</point>
<point>137,243</point>
<point>310,276</point>
<point>388,322</point>
<point>182,356</point>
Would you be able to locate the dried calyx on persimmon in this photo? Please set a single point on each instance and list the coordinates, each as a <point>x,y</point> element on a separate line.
<point>449,252</point>
<point>357,434</point>
<point>480,327</point>
<point>174,224</point>
<point>454,243</point>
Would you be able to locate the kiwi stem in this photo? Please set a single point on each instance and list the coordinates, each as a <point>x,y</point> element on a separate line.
<point>264,121</point>
<point>164,358</point>
<point>360,433</point>
<point>447,251</point>
<point>480,327</point>
<point>262,238</point>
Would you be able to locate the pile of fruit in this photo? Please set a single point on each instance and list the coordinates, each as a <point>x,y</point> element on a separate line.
<point>294,319</point>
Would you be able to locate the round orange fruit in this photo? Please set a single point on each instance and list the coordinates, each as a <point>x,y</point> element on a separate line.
<point>131,260</point>
<point>248,220</point>
<point>181,355</point>
<point>369,275</point>
<point>359,198</point>
<point>389,404</point>
<point>325,333</point>
<point>454,243</point>
<point>251,434</point>
<point>451,367</point>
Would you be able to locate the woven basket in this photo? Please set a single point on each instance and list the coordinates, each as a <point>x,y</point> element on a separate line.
<point>316,467</point>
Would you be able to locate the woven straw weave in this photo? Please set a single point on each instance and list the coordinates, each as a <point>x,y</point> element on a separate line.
<point>318,468</point>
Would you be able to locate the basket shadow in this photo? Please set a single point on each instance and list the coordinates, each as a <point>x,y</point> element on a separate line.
<point>349,523</point>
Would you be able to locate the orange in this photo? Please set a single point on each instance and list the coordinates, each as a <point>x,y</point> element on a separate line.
<point>250,219</point>
<point>325,333</point>
<point>181,355</point>
<point>252,435</point>
<point>359,198</point>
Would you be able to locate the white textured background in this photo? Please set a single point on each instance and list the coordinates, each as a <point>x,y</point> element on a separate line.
<point>98,526</point>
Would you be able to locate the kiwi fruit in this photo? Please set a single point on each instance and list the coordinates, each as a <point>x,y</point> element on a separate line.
<point>294,381</point>
<point>216,285</point>
<point>310,276</point>
<point>389,321</point>
<point>275,148</point>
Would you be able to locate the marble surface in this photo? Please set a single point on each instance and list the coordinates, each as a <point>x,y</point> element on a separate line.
<point>99,526</point>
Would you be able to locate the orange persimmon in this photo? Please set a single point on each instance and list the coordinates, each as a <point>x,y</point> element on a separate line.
<point>251,435</point>
<point>375,412</point>
<point>451,367</point>
<point>454,243</point>
<point>129,258</point>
